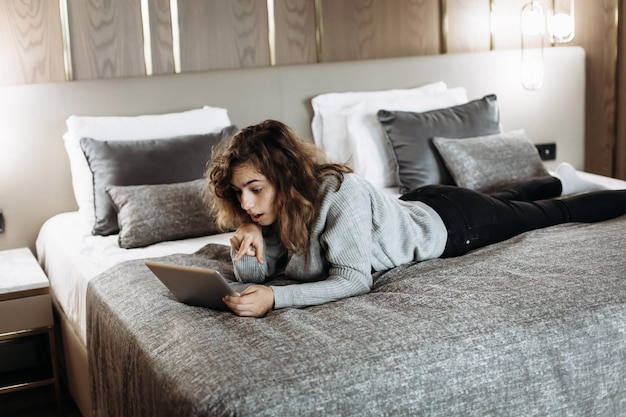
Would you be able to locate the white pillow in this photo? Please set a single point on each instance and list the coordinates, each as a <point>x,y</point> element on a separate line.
<point>154,126</point>
<point>329,125</point>
<point>372,157</point>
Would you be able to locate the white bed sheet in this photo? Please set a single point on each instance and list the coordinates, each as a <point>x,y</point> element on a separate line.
<point>71,256</point>
<point>610,183</point>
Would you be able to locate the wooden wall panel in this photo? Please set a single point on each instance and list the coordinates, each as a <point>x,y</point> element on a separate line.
<point>31,45</point>
<point>217,34</point>
<point>468,26</point>
<point>295,32</point>
<point>363,29</point>
<point>411,27</point>
<point>596,31</point>
<point>106,38</point>
<point>350,29</point>
<point>161,37</point>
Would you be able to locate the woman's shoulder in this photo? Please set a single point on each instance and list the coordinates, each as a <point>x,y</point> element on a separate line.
<point>344,185</point>
<point>333,180</point>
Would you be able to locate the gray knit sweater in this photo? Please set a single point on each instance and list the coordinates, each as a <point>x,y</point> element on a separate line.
<point>359,229</point>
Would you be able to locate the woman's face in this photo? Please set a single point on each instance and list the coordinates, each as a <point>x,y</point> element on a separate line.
<point>255,194</point>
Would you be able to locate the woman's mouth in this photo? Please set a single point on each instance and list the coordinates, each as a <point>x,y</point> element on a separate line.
<point>256,217</point>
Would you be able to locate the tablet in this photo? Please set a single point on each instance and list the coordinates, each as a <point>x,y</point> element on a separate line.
<point>194,286</point>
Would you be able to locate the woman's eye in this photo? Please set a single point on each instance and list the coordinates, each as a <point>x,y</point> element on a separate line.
<point>257,190</point>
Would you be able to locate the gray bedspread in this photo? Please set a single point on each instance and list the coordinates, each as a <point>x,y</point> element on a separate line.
<point>533,326</point>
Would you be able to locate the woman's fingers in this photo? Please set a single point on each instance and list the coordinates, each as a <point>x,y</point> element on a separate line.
<point>245,247</point>
<point>254,301</point>
<point>249,244</point>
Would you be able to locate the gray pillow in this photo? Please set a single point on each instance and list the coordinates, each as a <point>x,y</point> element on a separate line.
<point>152,161</point>
<point>149,214</point>
<point>489,163</point>
<point>410,136</point>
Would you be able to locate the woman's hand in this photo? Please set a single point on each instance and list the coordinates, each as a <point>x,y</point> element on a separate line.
<point>248,240</point>
<point>254,301</point>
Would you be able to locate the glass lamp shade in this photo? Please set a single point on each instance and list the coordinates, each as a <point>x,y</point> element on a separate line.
<point>533,19</point>
<point>533,24</point>
<point>532,69</point>
<point>562,21</point>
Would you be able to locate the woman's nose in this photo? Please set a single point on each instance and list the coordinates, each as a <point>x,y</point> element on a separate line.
<point>246,201</point>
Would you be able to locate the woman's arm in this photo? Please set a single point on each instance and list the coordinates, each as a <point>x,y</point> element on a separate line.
<point>255,257</point>
<point>338,263</point>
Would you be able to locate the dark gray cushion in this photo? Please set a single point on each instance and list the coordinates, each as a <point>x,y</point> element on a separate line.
<point>410,136</point>
<point>149,214</point>
<point>489,163</point>
<point>134,162</point>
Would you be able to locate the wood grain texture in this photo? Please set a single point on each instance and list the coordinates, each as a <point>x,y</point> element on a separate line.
<point>597,33</point>
<point>468,26</point>
<point>349,29</point>
<point>106,38</point>
<point>31,45</point>
<point>295,32</point>
<point>217,34</point>
<point>161,37</point>
<point>412,27</point>
<point>364,29</point>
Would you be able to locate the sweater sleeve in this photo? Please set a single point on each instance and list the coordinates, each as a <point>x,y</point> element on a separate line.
<point>344,247</point>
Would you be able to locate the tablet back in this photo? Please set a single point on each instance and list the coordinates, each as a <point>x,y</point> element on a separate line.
<point>194,286</point>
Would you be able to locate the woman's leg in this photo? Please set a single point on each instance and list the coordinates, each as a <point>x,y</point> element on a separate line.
<point>475,220</point>
<point>566,182</point>
<point>538,188</point>
<point>595,206</point>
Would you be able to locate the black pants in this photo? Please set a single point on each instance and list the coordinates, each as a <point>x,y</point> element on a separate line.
<point>474,220</point>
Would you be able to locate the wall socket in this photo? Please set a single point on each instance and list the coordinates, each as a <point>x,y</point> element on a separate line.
<point>547,151</point>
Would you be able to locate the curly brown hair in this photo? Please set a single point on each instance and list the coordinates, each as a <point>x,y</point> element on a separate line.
<point>296,168</point>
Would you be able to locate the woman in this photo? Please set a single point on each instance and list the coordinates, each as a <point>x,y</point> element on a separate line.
<point>321,225</point>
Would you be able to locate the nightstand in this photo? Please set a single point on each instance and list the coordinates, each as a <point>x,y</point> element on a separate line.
<point>27,345</point>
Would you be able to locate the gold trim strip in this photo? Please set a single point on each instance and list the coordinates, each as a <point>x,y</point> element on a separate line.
<point>24,293</point>
<point>147,37</point>
<point>271,32</point>
<point>16,334</point>
<point>443,26</point>
<point>175,35</point>
<point>492,22</point>
<point>319,31</point>
<point>551,13</point>
<point>24,385</point>
<point>65,34</point>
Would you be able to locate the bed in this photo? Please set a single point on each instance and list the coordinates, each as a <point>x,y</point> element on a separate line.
<point>531,326</point>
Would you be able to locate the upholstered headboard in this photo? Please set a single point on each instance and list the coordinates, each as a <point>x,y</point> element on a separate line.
<point>35,180</point>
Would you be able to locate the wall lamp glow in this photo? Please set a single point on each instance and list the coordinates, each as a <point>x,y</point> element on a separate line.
<point>562,20</point>
<point>533,25</point>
